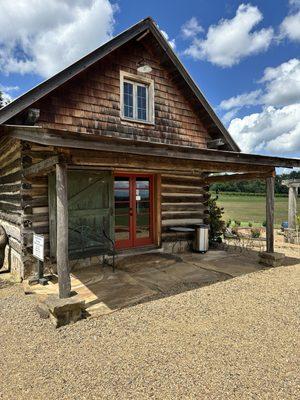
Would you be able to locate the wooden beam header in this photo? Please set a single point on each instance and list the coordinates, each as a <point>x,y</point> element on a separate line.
<point>215,143</point>
<point>43,167</point>
<point>66,139</point>
<point>291,183</point>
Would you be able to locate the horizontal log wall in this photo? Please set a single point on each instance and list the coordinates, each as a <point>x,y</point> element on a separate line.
<point>182,196</point>
<point>90,103</point>
<point>11,199</point>
<point>35,198</point>
<point>183,203</point>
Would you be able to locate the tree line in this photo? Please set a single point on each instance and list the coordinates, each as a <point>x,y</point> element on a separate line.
<point>255,186</point>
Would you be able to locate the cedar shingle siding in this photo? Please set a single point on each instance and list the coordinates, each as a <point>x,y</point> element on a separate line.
<point>90,103</point>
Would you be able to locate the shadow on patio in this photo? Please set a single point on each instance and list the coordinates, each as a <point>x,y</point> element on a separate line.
<point>147,277</point>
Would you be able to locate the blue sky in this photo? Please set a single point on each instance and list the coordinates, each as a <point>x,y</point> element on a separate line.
<point>243,55</point>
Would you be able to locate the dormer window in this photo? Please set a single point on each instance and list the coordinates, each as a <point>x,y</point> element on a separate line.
<point>137,98</point>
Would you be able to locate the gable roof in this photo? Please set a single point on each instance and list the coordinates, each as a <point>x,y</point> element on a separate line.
<point>147,24</point>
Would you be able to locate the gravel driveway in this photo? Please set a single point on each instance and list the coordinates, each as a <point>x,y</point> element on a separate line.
<point>237,339</point>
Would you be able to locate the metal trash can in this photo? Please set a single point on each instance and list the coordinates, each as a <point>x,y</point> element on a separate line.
<point>201,238</point>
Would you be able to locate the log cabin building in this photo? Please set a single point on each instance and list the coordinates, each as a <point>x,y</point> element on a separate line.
<point>122,141</point>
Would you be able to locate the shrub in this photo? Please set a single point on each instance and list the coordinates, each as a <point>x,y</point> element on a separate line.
<point>250,224</point>
<point>228,223</point>
<point>255,233</point>
<point>237,223</point>
<point>264,223</point>
<point>217,225</point>
<point>297,221</point>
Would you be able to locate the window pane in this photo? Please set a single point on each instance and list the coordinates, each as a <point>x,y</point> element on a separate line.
<point>142,102</point>
<point>142,183</point>
<point>142,207</point>
<point>142,232</point>
<point>142,195</point>
<point>122,227</point>
<point>142,225</point>
<point>128,100</point>
<point>122,208</point>
<point>121,183</point>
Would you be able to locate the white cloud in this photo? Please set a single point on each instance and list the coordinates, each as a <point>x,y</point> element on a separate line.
<point>227,117</point>
<point>191,28</point>
<point>242,100</point>
<point>290,27</point>
<point>294,3</point>
<point>281,88</point>
<point>172,42</point>
<point>4,88</point>
<point>276,128</point>
<point>282,84</point>
<point>233,39</point>
<point>276,131</point>
<point>48,36</point>
<point>234,104</point>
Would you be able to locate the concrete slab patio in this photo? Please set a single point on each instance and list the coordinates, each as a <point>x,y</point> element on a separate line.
<point>229,264</point>
<point>147,277</point>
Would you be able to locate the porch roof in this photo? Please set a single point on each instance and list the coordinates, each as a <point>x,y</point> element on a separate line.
<point>209,160</point>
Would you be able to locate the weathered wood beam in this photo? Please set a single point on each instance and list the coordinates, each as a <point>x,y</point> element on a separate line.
<point>215,143</point>
<point>61,138</point>
<point>32,115</point>
<point>43,166</point>
<point>163,164</point>
<point>142,35</point>
<point>237,177</point>
<point>62,256</point>
<point>270,183</point>
<point>291,183</point>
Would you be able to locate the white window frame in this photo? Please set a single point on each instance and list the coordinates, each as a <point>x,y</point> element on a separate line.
<point>137,80</point>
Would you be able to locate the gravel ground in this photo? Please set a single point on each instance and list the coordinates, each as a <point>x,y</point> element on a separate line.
<point>237,339</point>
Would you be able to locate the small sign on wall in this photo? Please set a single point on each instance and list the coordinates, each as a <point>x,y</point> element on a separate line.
<point>38,246</point>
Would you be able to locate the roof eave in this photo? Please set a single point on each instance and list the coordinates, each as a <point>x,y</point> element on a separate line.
<point>60,138</point>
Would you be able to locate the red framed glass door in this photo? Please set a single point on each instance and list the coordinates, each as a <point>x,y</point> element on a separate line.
<point>133,210</point>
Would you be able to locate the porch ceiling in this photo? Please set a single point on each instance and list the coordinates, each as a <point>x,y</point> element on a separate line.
<point>168,155</point>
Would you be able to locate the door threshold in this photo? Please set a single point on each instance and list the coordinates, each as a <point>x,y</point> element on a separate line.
<point>139,250</point>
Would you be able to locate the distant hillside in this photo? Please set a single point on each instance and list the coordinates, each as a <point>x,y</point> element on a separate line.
<point>257,186</point>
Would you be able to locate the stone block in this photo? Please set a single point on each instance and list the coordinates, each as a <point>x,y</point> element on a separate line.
<point>43,311</point>
<point>64,311</point>
<point>271,259</point>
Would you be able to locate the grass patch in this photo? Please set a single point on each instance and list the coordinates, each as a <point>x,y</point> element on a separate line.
<point>252,209</point>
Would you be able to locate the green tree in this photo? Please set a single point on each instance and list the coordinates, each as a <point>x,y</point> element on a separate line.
<point>255,186</point>
<point>3,100</point>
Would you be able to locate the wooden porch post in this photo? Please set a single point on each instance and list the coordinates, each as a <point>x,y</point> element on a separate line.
<point>270,182</point>
<point>64,281</point>
<point>293,192</point>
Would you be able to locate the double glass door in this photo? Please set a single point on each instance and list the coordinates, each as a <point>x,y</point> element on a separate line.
<point>133,210</point>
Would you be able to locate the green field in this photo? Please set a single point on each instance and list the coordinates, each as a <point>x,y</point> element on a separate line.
<point>252,208</point>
